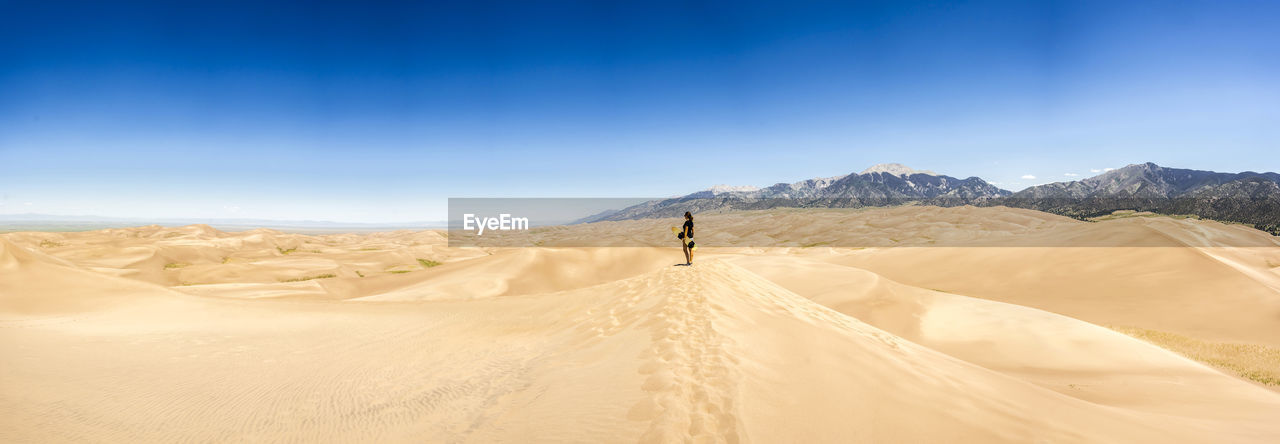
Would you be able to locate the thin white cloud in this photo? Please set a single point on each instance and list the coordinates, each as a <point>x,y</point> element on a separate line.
<point>1071,174</point>
<point>1107,169</point>
<point>27,203</point>
<point>231,208</point>
<point>1095,170</point>
<point>1028,176</point>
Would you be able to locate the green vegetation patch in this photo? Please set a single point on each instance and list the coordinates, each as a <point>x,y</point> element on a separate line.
<point>284,251</point>
<point>307,278</point>
<point>50,244</point>
<point>1258,363</point>
<point>1125,214</point>
<point>173,265</point>
<point>427,263</point>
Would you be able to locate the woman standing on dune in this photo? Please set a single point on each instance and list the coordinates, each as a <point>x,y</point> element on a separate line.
<point>686,238</point>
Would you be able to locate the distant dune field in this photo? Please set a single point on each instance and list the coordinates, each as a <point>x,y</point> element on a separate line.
<point>917,324</point>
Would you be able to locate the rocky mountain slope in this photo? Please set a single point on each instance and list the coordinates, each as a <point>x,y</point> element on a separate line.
<point>880,185</point>
<point>1248,197</point>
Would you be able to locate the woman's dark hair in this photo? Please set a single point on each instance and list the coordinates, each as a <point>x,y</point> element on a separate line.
<point>688,215</point>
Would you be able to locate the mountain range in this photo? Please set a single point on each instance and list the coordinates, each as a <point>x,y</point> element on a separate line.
<point>1143,180</point>
<point>1250,198</point>
<point>1247,197</point>
<point>880,185</point>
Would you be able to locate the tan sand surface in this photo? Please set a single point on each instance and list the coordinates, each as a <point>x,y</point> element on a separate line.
<point>914,324</point>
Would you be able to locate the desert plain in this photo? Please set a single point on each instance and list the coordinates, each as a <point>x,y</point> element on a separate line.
<point>908,324</point>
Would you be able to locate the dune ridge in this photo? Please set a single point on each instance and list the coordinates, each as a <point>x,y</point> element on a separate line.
<point>103,342</point>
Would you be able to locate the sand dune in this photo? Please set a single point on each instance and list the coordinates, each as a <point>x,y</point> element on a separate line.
<point>1190,290</point>
<point>193,334</point>
<point>37,285</point>
<point>1053,351</point>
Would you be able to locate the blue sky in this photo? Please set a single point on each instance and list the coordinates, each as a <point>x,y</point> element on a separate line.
<point>352,112</point>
